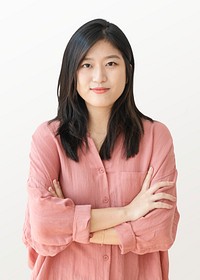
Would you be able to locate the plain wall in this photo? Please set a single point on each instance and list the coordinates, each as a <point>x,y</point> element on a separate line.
<point>166,45</point>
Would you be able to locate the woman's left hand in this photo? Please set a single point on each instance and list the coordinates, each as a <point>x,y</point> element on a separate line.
<point>56,189</point>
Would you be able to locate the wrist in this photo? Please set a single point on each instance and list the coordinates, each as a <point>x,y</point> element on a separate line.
<point>105,237</point>
<point>128,215</point>
<point>124,214</point>
<point>97,237</point>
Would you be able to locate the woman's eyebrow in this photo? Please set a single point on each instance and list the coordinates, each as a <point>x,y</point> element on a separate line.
<point>106,57</point>
<point>113,56</point>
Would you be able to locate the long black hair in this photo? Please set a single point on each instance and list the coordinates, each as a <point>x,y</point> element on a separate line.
<point>125,119</point>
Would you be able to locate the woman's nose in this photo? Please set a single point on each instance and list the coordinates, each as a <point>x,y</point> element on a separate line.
<point>99,74</point>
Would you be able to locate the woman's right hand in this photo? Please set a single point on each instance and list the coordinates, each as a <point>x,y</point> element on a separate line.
<point>148,200</point>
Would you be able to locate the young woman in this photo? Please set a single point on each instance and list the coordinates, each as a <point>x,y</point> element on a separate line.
<point>102,184</point>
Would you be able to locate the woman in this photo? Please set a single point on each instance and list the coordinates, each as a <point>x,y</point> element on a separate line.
<point>102,195</point>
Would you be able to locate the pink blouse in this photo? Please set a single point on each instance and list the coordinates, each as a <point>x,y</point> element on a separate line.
<point>57,231</point>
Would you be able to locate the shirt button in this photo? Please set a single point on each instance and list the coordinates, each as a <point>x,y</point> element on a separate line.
<point>101,170</point>
<point>106,199</point>
<point>105,257</point>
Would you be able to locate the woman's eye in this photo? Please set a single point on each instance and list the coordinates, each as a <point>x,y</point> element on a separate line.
<point>86,65</point>
<point>112,63</point>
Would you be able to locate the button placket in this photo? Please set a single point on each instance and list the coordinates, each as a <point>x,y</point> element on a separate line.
<point>105,257</point>
<point>106,199</point>
<point>101,170</point>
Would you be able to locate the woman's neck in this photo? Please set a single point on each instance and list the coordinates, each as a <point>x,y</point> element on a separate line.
<point>98,120</point>
<point>97,126</point>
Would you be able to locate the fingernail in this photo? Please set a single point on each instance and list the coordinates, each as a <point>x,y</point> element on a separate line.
<point>150,168</point>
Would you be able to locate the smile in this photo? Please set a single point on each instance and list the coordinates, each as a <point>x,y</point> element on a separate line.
<point>99,90</point>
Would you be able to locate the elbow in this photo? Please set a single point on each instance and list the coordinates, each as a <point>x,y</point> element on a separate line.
<point>171,234</point>
<point>45,243</point>
<point>171,231</point>
<point>51,225</point>
<point>158,244</point>
<point>40,234</point>
<point>48,237</point>
<point>46,250</point>
<point>43,246</point>
<point>161,240</point>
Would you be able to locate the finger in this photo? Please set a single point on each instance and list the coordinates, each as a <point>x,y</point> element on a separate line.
<point>51,190</point>
<point>58,189</point>
<point>162,205</point>
<point>160,196</point>
<point>147,179</point>
<point>160,185</point>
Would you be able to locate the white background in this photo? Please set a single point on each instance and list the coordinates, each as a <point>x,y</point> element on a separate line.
<point>166,45</point>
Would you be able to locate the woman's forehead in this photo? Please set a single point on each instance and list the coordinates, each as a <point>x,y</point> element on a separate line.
<point>103,48</point>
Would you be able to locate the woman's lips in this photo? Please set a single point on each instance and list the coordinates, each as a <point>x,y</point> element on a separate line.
<point>100,90</point>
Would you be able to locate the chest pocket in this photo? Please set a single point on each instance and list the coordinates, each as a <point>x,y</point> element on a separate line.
<point>124,186</point>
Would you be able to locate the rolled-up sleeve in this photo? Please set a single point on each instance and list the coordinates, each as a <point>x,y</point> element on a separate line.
<point>51,223</point>
<point>157,230</point>
<point>81,221</point>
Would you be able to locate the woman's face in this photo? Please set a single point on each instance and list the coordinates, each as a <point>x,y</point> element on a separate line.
<point>101,76</point>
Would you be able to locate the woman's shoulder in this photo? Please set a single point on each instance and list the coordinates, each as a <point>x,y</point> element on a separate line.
<point>47,128</point>
<point>156,129</point>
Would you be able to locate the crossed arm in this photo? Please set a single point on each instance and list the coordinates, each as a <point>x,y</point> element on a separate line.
<point>104,220</point>
<point>145,225</point>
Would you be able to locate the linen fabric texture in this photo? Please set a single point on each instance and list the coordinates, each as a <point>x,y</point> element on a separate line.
<point>57,231</point>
